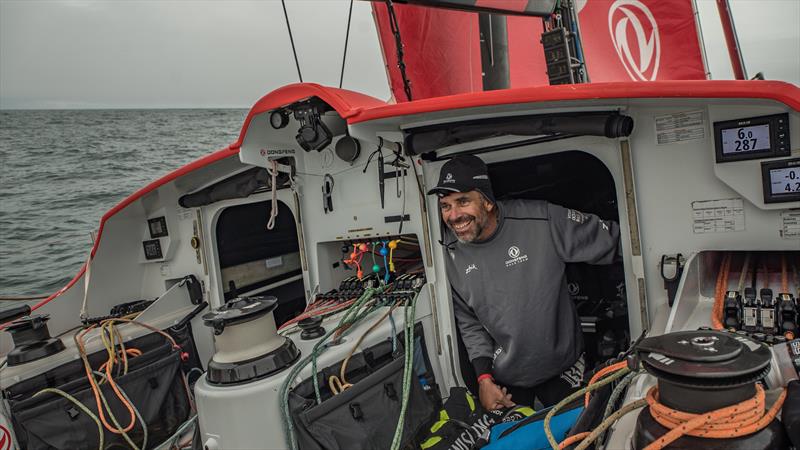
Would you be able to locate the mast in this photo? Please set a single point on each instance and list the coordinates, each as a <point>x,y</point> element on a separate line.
<point>731,40</point>
<point>494,51</point>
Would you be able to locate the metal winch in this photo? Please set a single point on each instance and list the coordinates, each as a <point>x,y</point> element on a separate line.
<point>248,345</point>
<point>702,371</point>
<point>32,340</point>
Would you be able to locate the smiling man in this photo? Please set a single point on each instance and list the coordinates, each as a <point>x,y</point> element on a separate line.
<point>506,269</point>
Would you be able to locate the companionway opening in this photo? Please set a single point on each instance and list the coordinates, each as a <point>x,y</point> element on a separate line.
<point>256,261</point>
<point>580,181</point>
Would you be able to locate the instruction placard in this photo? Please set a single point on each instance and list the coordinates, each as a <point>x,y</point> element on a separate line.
<point>679,127</point>
<point>790,224</point>
<point>184,213</point>
<point>718,216</point>
<point>276,261</point>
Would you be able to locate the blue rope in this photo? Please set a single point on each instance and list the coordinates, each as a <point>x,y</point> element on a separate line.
<point>384,252</point>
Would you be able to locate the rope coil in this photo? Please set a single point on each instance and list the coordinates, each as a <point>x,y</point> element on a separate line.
<point>741,419</point>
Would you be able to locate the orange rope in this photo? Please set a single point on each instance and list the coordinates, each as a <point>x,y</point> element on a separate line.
<point>600,374</point>
<point>572,439</point>
<point>93,383</point>
<point>109,364</point>
<point>128,351</point>
<point>719,292</point>
<point>732,421</point>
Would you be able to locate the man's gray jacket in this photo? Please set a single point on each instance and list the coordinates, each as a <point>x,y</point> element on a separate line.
<point>510,292</point>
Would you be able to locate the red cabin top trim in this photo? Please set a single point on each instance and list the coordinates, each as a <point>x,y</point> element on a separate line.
<point>779,91</point>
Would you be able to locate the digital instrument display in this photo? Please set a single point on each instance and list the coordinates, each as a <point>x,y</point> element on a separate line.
<point>752,138</point>
<point>158,227</point>
<point>152,249</point>
<point>781,180</point>
<point>784,181</point>
<point>745,139</point>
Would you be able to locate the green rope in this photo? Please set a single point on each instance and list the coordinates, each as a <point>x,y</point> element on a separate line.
<point>135,411</point>
<point>82,408</point>
<point>410,315</point>
<point>609,379</point>
<point>350,317</point>
<point>587,441</point>
<point>103,397</point>
<point>615,394</point>
<point>172,442</point>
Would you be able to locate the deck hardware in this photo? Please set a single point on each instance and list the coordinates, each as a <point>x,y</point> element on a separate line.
<point>348,148</point>
<point>278,119</point>
<point>327,193</point>
<point>195,290</point>
<point>671,283</point>
<point>381,174</point>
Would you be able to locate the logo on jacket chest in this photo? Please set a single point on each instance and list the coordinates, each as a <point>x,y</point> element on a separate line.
<point>470,268</point>
<point>516,256</point>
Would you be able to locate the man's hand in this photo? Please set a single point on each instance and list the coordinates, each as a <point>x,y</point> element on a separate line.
<point>493,396</point>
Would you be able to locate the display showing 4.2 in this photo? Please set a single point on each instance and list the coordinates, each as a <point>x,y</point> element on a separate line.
<point>781,180</point>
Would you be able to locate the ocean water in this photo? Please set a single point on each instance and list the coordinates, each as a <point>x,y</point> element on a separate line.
<point>61,170</point>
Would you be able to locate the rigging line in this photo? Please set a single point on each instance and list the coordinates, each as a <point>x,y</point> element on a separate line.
<point>291,38</point>
<point>346,38</point>
<point>398,42</point>
<point>743,275</point>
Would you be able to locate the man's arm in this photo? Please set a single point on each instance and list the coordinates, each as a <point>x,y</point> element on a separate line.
<point>582,237</point>
<point>480,345</point>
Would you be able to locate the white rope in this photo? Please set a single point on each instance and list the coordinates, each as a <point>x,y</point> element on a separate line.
<point>87,274</point>
<point>273,171</point>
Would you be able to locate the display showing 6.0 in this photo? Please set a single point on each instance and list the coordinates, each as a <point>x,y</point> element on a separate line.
<point>745,139</point>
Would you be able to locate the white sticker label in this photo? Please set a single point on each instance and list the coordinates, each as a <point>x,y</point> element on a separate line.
<point>274,262</point>
<point>184,214</point>
<point>790,224</point>
<point>718,216</point>
<point>276,152</point>
<point>680,127</point>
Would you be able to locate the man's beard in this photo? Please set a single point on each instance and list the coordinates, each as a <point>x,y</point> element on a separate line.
<point>475,228</point>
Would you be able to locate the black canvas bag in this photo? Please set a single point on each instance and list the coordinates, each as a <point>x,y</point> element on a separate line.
<point>153,384</point>
<point>364,416</point>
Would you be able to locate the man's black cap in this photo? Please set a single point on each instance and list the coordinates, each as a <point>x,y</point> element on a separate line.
<point>464,173</point>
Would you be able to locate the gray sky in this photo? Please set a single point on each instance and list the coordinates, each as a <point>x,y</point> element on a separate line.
<point>228,53</point>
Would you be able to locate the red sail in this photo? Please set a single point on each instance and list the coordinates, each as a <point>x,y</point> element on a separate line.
<point>640,40</point>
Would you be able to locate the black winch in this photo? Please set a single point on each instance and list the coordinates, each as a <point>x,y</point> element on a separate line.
<point>312,328</point>
<point>702,371</point>
<point>32,340</point>
<point>248,345</point>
